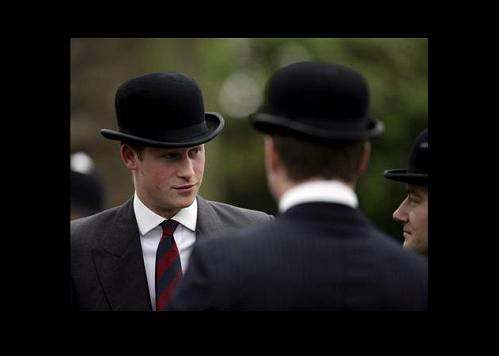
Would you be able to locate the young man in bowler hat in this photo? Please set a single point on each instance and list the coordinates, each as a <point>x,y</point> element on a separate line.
<point>321,252</point>
<point>131,257</point>
<point>413,211</point>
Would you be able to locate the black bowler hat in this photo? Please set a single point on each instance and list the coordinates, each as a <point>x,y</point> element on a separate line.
<point>86,193</point>
<point>417,173</point>
<point>163,110</point>
<point>317,101</point>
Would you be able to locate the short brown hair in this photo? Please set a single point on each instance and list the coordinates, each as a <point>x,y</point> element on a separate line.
<point>304,159</point>
<point>137,148</point>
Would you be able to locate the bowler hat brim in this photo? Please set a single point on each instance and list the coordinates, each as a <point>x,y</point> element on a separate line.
<point>402,175</point>
<point>214,124</point>
<point>273,124</point>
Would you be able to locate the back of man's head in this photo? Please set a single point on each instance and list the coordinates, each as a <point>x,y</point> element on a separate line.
<point>305,160</point>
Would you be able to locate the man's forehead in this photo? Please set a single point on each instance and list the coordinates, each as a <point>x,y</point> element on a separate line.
<point>417,189</point>
<point>173,149</point>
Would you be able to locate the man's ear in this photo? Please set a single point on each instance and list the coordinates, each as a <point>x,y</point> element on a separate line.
<point>128,156</point>
<point>366,155</point>
<point>272,159</point>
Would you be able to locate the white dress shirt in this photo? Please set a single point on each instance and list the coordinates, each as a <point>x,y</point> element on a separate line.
<point>331,191</point>
<point>150,235</point>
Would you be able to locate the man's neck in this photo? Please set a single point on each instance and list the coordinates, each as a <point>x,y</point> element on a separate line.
<point>318,190</point>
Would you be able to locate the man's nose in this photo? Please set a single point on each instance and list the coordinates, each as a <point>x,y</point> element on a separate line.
<point>400,215</point>
<point>186,169</point>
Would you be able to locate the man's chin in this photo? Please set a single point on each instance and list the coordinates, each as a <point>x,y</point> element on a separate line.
<point>185,202</point>
<point>412,247</point>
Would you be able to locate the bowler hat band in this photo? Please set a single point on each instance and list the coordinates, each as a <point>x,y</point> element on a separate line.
<point>169,134</point>
<point>343,129</point>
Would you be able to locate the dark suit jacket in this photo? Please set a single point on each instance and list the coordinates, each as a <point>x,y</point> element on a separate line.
<point>316,256</point>
<point>107,267</point>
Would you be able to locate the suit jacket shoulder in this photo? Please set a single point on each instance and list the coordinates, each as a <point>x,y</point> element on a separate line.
<point>86,230</point>
<point>215,216</point>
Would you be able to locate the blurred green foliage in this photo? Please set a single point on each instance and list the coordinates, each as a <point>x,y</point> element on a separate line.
<point>395,68</point>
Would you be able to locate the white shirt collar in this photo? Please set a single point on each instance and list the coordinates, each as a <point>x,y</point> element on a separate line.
<point>331,191</point>
<point>148,219</point>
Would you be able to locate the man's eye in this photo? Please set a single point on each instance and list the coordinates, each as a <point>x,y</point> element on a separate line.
<point>413,198</point>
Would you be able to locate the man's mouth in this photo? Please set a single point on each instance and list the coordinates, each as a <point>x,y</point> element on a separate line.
<point>184,187</point>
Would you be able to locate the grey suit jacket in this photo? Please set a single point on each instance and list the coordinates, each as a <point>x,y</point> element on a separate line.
<point>107,267</point>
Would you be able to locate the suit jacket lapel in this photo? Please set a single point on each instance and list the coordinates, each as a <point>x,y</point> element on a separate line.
<point>120,265</point>
<point>208,220</point>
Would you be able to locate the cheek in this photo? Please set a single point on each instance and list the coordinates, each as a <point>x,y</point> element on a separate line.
<point>160,176</point>
<point>422,217</point>
<point>199,167</point>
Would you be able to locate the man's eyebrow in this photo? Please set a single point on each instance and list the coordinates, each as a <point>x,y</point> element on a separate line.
<point>410,190</point>
<point>168,151</point>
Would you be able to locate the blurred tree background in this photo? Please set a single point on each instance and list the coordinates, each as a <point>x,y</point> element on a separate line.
<point>232,74</point>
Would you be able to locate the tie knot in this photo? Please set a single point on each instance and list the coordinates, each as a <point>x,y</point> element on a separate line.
<point>169,227</point>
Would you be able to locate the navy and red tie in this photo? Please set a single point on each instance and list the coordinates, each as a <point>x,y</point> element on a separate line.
<point>168,268</point>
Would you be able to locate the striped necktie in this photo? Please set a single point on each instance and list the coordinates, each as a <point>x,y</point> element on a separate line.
<point>168,268</point>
